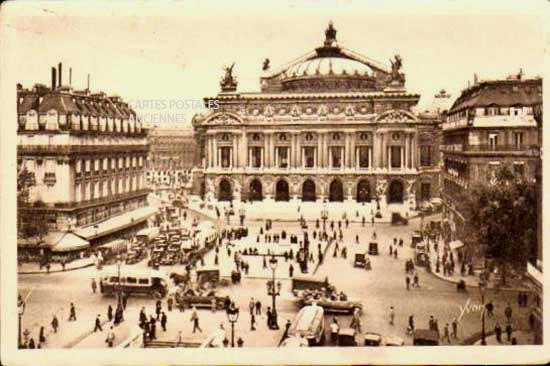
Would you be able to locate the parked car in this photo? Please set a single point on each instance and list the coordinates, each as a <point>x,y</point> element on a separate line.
<point>134,282</point>
<point>373,248</point>
<point>373,339</point>
<point>346,337</point>
<point>309,323</point>
<point>361,260</point>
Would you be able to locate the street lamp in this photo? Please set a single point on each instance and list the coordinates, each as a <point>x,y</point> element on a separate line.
<point>274,291</point>
<point>232,317</point>
<point>119,263</point>
<point>20,312</point>
<point>482,293</point>
<point>324,217</point>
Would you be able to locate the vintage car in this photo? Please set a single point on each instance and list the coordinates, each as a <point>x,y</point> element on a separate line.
<point>397,219</point>
<point>133,256</point>
<point>372,339</point>
<point>294,342</point>
<point>333,306</point>
<point>425,337</point>
<point>361,260</point>
<point>134,282</point>
<point>346,337</point>
<point>394,341</point>
<point>373,248</point>
<point>300,284</point>
<point>309,323</point>
<point>194,298</point>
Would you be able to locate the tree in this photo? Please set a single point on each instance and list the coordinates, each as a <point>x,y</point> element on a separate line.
<point>500,217</point>
<point>25,180</point>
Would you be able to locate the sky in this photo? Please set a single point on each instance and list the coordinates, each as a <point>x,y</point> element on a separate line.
<point>159,55</point>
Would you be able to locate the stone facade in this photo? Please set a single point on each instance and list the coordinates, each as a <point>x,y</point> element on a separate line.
<point>323,143</point>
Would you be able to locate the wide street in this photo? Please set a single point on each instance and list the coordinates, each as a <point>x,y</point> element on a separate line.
<point>377,289</point>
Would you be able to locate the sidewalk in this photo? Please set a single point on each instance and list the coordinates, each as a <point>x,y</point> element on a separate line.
<point>522,337</point>
<point>34,268</point>
<point>470,280</point>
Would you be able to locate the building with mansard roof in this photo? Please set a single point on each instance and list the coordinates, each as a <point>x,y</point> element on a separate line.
<point>331,125</point>
<point>86,154</point>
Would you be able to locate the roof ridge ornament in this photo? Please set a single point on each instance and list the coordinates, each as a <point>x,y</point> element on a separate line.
<point>228,82</point>
<point>330,35</point>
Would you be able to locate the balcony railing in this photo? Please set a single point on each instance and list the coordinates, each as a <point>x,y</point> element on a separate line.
<point>488,147</point>
<point>78,149</point>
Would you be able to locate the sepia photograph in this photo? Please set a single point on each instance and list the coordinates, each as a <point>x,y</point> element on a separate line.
<point>226,182</point>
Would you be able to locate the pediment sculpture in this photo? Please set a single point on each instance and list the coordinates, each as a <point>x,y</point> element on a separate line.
<point>223,119</point>
<point>396,116</point>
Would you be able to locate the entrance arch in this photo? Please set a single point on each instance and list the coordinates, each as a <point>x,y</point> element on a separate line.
<point>395,192</point>
<point>308,191</point>
<point>336,191</point>
<point>256,190</point>
<point>281,191</point>
<point>363,191</point>
<point>225,193</point>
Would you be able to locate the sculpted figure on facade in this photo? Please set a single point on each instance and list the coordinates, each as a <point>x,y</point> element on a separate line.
<point>228,81</point>
<point>396,75</point>
<point>381,187</point>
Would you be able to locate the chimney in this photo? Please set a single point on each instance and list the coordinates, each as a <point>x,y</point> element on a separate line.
<point>60,71</point>
<point>54,78</point>
<point>70,75</point>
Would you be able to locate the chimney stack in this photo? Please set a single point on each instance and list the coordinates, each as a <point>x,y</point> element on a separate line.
<point>60,71</point>
<point>54,78</point>
<point>70,75</point>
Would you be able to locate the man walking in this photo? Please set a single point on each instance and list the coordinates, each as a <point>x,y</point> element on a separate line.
<point>392,315</point>
<point>258,307</point>
<point>94,285</point>
<point>158,309</point>
<point>455,328</point>
<point>55,324</point>
<point>290,270</point>
<point>415,280</point>
<point>251,306</point>
<point>163,321</point>
<point>110,337</point>
<point>72,313</point>
<point>195,320</point>
<point>446,333</point>
<point>98,324</point>
<point>508,312</point>
<point>252,321</point>
<point>408,282</point>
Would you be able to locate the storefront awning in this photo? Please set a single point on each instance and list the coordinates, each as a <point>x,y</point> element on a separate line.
<point>64,242</point>
<point>116,223</point>
<point>456,244</point>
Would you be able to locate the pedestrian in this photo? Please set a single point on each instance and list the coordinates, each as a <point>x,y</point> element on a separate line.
<point>509,331</point>
<point>490,307</point>
<point>153,328</point>
<point>170,302</point>
<point>455,328</point>
<point>391,250</point>
<point>55,324</point>
<point>290,270</point>
<point>195,320</point>
<point>72,313</point>
<point>514,341</point>
<point>436,326</point>
<point>179,338</point>
<point>508,312</point>
<point>395,253</point>
<point>213,304</point>
<point>357,239</point>
<point>163,321</point>
<point>410,328</point>
<point>31,344</point>
<point>98,324</point>
<point>334,329</point>
<point>415,280</point>
<point>498,333</point>
<point>94,285</point>
<point>110,337</point>
<point>251,305</point>
<point>158,309</point>
<point>110,313</point>
<point>48,267</point>
<point>252,321</point>
<point>408,282</point>
<point>41,337</point>
<point>392,315</point>
<point>142,316</point>
<point>446,333</point>
<point>258,307</point>
<point>63,264</point>
<point>363,221</point>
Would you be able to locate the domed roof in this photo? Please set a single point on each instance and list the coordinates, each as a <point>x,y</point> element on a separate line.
<point>328,68</point>
<point>329,65</point>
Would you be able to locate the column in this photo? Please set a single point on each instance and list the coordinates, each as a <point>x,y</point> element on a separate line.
<point>265,161</point>
<point>319,151</point>
<point>208,151</point>
<point>369,153</point>
<point>262,155</point>
<point>235,151</point>
<point>214,151</point>
<point>329,162</point>
<point>271,151</point>
<point>326,151</point>
<point>352,150</point>
<point>276,165</point>
<point>244,152</point>
<point>413,152</point>
<point>343,157</point>
<point>402,150</point>
<point>315,159</point>
<point>298,149</point>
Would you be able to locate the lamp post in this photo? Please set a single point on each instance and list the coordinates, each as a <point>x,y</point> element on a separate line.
<point>324,217</point>
<point>274,291</point>
<point>232,317</point>
<point>119,264</point>
<point>482,293</point>
<point>20,312</point>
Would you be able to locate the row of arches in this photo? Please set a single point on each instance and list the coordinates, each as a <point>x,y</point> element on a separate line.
<point>309,191</point>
